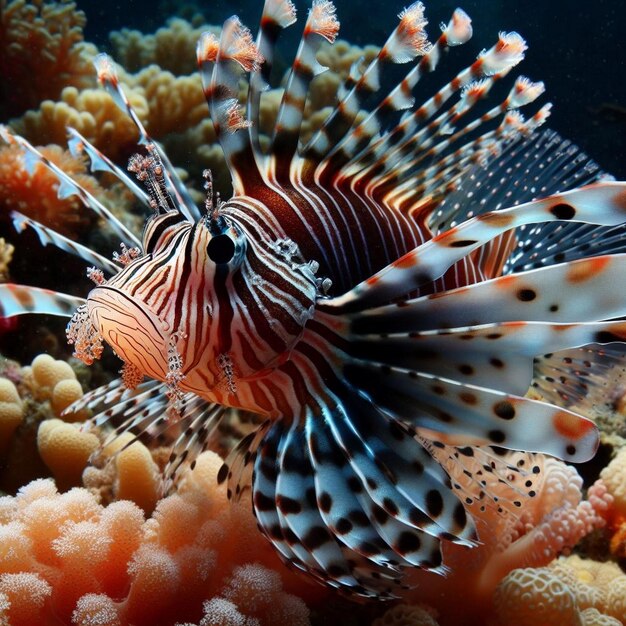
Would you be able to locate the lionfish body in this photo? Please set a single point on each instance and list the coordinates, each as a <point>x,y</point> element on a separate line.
<point>380,296</point>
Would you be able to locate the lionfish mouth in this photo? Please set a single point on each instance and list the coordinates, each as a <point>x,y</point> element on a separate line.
<point>134,332</point>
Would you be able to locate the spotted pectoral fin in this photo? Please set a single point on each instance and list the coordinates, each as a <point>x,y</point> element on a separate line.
<point>585,290</point>
<point>288,513</point>
<point>142,412</point>
<point>500,356</point>
<point>600,203</point>
<point>467,414</point>
<point>588,378</point>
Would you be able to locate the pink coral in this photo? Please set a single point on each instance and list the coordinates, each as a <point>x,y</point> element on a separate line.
<point>531,534</point>
<point>74,561</point>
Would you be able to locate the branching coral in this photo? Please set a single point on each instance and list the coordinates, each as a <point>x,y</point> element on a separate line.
<point>41,51</point>
<point>108,563</point>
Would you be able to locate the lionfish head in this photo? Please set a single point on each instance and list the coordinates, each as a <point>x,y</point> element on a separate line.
<point>201,304</point>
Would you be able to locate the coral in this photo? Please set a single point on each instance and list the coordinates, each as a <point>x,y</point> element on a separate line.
<point>92,112</point>
<point>136,476</point>
<point>174,103</point>
<point>593,617</point>
<point>172,47</point>
<point>41,51</point>
<point>571,591</point>
<point>6,254</point>
<point>35,193</point>
<point>54,380</point>
<point>253,596</point>
<point>614,479</point>
<point>25,595</point>
<point>527,597</point>
<point>45,388</point>
<point>11,412</point>
<point>111,564</point>
<point>65,449</point>
<point>529,534</point>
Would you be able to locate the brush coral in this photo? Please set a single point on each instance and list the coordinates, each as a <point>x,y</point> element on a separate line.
<point>41,51</point>
<point>81,562</point>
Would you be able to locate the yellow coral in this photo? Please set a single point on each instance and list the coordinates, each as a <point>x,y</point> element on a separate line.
<point>64,393</point>
<point>527,597</point>
<point>41,51</point>
<point>614,477</point>
<point>172,47</point>
<point>137,475</point>
<point>92,112</point>
<point>174,103</point>
<point>6,255</point>
<point>65,449</point>
<point>11,412</point>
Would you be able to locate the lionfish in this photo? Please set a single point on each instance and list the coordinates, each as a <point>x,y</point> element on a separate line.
<point>382,296</point>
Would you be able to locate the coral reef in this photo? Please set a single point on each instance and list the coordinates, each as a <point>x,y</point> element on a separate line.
<point>34,193</point>
<point>172,47</point>
<point>530,533</point>
<point>114,551</point>
<point>571,591</point>
<point>41,52</point>
<point>34,442</point>
<point>66,557</point>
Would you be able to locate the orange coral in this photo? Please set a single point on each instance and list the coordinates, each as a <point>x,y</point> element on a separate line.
<point>41,51</point>
<point>82,562</point>
<point>35,194</point>
<point>531,534</point>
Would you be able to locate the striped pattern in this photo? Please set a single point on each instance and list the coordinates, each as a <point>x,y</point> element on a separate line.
<point>378,298</point>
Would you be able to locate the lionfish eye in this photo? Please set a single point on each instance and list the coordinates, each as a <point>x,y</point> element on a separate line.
<point>221,249</point>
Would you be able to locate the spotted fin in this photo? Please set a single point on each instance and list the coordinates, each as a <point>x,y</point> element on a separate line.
<point>586,378</point>
<point>500,356</point>
<point>286,505</point>
<point>600,203</point>
<point>581,291</point>
<point>142,411</point>
<point>462,413</point>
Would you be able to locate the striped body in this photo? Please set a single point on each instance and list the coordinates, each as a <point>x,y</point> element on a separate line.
<point>382,297</point>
